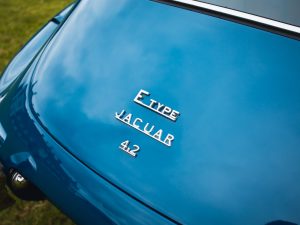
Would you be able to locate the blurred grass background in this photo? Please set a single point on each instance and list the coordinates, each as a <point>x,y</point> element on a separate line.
<point>19,20</point>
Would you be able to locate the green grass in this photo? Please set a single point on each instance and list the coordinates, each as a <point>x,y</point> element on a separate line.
<point>33,213</point>
<point>19,20</point>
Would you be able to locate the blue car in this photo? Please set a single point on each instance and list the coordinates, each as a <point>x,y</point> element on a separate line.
<point>158,112</point>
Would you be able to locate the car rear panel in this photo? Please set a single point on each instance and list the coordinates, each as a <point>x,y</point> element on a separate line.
<point>81,194</point>
<point>236,149</point>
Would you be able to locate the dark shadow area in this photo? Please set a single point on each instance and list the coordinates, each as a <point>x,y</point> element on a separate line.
<point>5,200</point>
<point>281,222</point>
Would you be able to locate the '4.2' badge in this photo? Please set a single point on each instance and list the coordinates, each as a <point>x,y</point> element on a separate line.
<point>125,146</point>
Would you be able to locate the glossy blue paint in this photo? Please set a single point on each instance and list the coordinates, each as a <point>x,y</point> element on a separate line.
<point>66,181</point>
<point>235,157</point>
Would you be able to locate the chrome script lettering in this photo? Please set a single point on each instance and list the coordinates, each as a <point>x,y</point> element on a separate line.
<point>156,106</point>
<point>146,128</point>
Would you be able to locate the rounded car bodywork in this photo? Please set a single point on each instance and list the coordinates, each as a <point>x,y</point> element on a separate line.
<point>212,105</point>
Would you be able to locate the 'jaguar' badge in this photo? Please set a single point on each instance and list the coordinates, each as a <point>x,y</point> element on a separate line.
<point>144,127</point>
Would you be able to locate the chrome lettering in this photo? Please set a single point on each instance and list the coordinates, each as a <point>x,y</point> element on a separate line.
<point>168,140</point>
<point>157,134</point>
<point>134,122</point>
<point>148,131</point>
<point>168,112</point>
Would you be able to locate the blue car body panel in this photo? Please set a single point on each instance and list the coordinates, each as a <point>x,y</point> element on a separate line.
<point>65,180</point>
<point>236,153</point>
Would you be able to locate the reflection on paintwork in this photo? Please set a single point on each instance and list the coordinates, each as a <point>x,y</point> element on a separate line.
<point>237,141</point>
<point>237,88</point>
<point>66,181</point>
<point>2,135</point>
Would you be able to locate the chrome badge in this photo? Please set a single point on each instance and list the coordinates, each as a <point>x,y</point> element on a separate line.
<point>144,127</point>
<point>151,130</point>
<point>156,106</point>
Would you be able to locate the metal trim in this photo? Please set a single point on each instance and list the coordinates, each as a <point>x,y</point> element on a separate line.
<point>240,17</point>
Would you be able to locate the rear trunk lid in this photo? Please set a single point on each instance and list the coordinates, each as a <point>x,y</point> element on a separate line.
<point>225,146</point>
